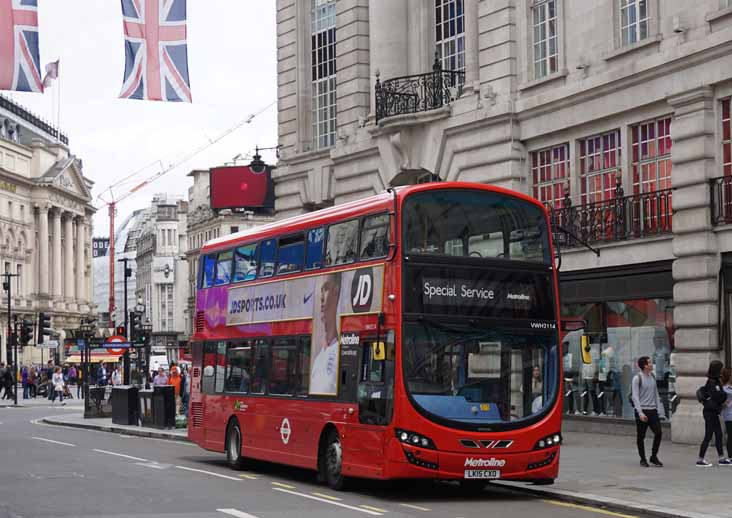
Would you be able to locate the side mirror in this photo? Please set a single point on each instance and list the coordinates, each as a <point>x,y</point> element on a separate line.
<point>378,351</point>
<point>586,349</point>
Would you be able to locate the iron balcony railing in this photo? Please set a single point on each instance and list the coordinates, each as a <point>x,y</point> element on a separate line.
<point>618,219</point>
<point>420,93</point>
<point>721,190</point>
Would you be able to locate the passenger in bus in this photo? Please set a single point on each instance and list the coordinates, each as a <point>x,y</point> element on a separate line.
<point>324,356</point>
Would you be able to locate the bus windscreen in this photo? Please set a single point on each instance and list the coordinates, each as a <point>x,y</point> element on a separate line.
<point>474,223</point>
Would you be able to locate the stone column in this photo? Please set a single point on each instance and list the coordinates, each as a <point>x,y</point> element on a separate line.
<point>56,244</point>
<point>697,263</point>
<point>43,250</point>
<point>471,46</point>
<point>69,258</point>
<point>80,239</point>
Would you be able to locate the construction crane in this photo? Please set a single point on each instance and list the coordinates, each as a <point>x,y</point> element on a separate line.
<point>112,203</point>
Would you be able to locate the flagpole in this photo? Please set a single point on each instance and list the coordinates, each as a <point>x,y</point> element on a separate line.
<point>58,107</point>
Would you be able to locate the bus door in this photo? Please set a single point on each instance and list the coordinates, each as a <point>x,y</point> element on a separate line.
<point>375,396</point>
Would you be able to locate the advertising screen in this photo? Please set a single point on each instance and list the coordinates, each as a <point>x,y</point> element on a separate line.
<point>234,187</point>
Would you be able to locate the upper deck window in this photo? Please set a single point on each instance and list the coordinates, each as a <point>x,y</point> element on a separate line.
<point>223,268</point>
<point>375,237</point>
<point>209,268</point>
<point>342,243</point>
<point>291,254</point>
<point>245,263</point>
<point>268,250</point>
<point>316,237</point>
<point>477,224</point>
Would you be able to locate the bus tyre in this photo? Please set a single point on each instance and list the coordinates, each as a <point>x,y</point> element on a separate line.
<point>332,462</point>
<point>234,458</point>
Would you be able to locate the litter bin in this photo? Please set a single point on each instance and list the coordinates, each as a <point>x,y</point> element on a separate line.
<point>146,409</point>
<point>125,405</point>
<point>97,405</point>
<point>163,407</point>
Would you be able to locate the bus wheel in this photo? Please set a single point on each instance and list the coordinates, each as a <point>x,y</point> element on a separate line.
<point>333,462</point>
<point>234,458</point>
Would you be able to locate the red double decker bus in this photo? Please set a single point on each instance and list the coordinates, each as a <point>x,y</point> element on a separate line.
<point>411,334</point>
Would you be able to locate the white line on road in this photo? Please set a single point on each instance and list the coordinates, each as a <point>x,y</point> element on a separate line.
<point>352,508</point>
<point>150,465</point>
<point>209,473</point>
<point>417,507</point>
<point>234,512</point>
<point>121,455</point>
<point>54,442</point>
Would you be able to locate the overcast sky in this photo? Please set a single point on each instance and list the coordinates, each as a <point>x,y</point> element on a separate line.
<point>232,66</point>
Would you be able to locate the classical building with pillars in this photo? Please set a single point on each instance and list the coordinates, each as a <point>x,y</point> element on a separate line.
<point>45,223</point>
<point>614,113</point>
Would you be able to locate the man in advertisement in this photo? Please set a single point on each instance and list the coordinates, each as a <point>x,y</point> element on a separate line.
<point>324,354</point>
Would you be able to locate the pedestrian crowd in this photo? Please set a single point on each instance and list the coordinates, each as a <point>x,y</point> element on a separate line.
<point>714,397</point>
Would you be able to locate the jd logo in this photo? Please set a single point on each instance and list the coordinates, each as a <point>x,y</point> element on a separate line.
<point>362,290</point>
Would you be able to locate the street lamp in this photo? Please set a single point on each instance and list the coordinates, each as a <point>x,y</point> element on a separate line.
<point>87,328</point>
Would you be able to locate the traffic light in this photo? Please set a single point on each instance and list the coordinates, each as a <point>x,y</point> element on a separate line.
<point>26,331</point>
<point>44,326</point>
<point>135,326</point>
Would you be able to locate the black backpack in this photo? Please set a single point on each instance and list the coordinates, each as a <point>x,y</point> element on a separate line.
<point>701,394</point>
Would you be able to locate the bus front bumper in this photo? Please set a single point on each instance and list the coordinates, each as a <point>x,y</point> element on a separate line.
<point>407,461</point>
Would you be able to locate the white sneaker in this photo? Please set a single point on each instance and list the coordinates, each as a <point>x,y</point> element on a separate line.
<point>703,463</point>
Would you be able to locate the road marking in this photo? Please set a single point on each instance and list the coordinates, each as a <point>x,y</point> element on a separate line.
<point>54,442</point>
<point>121,455</point>
<point>150,465</point>
<point>323,495</point>
<point>325,501</point>
<point>280,484</point>
<point>418,508</point>
<point>374,508</point>
<point>209,473</point>
<point>250,477</point>
<point>590,509</point>
<point>234,512</point>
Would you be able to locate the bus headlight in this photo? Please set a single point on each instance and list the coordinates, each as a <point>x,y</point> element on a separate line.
<point>554,439</point>
<point>415,439</point>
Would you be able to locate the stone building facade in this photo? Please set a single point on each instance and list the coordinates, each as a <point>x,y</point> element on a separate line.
<point>162,272</point>
<point>204,224</point>
<point>616,113</point>
<point>45,224</point>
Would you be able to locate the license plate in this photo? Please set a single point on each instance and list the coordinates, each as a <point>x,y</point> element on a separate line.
<point>482,473</point>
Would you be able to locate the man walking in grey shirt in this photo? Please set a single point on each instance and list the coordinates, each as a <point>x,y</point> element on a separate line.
<point>648,410</point>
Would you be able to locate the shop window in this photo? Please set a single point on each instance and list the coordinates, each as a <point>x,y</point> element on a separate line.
<point>342,243</point>
<point>268,250</point>
<point>245,263</point>
<point>619,333</point>
<point>550,174</point>
<point>291,254</point>
<point>375,237</point>
<point>600,169</point>
<point>316,237</point>
<point>283,367</point>
<point>223,268</point>
<point>238,367</point>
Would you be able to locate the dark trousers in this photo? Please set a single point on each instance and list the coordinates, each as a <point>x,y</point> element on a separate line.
<point>728,427</point>
<point>654,423</point>
<point>712,426</point>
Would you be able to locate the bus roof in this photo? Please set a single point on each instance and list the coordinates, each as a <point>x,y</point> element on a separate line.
<point>374,203</point>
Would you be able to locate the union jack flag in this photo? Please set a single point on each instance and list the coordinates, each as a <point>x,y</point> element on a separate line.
<point>156,51</point>
<point>20,63</point>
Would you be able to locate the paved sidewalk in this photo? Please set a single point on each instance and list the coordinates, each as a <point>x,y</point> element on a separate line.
<point>76,420</point>
<point>600,469</point>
